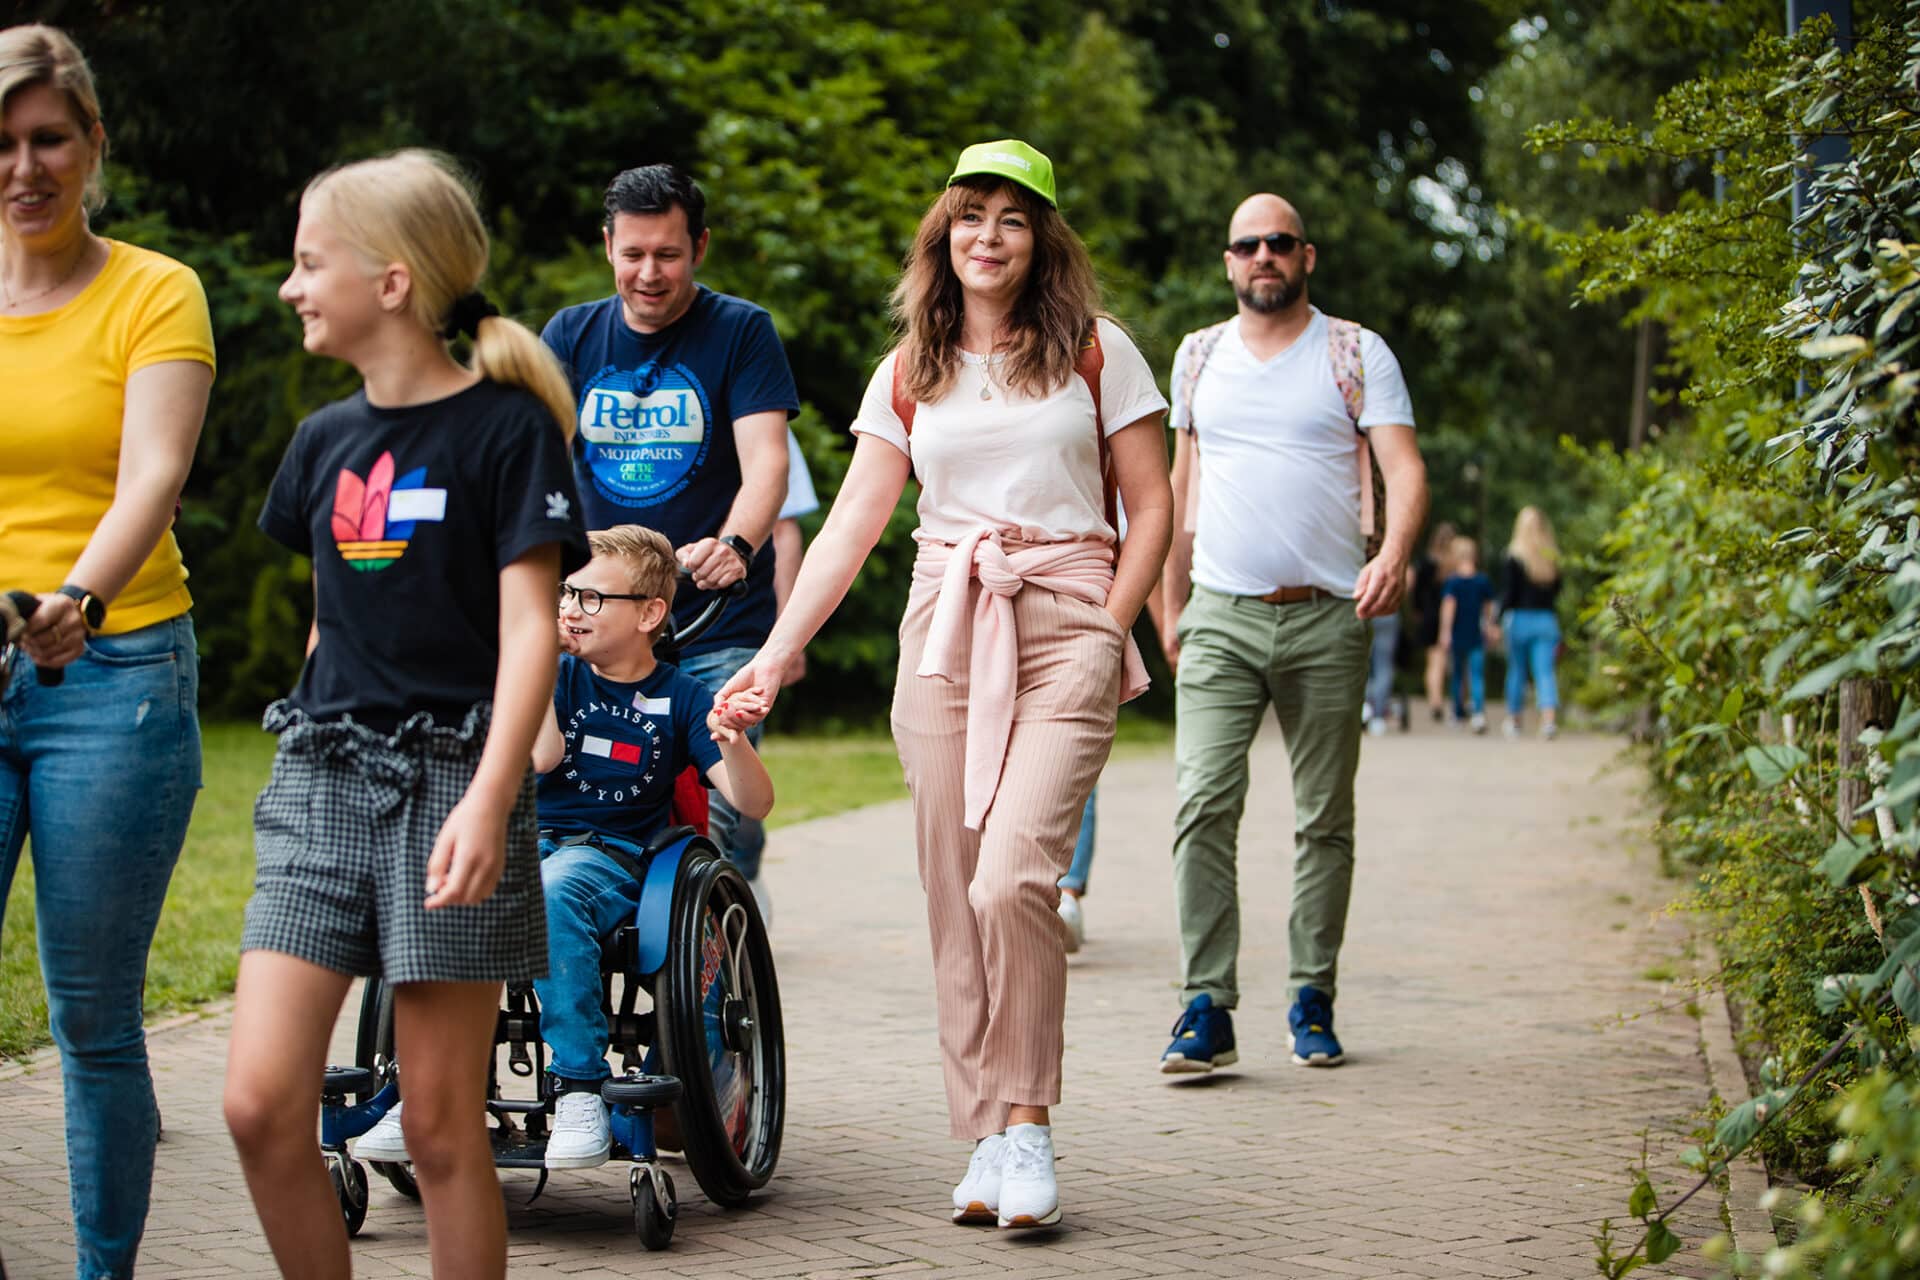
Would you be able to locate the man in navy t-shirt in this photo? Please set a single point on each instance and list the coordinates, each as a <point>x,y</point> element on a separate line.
<point>683,397</point>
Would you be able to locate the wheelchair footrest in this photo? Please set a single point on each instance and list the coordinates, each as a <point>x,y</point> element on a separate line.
<point>342,1080</point>
<point>642,1091</point>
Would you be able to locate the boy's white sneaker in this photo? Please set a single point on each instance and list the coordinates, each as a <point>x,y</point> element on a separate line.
<point>1029,1196</point>
<point>977,1198</point>
<point>1075,919</point>
<point>581,1136</point>
<point>1479,722</point>
<point>385,1142</point>
<point>1510,727</point>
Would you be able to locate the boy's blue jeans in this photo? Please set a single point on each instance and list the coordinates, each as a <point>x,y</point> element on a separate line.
<point>100,772</point>
<point>589,895</point>
<point>1082,866</point>
<point>1532,637</point>
<point>1472,665</point>
<point>742,839</point>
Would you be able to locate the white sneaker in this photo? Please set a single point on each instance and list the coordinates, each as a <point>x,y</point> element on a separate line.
<point>581,1138</point>
<point>1510,727</point>
<point>1377,726</point>
<point>1550,730</point>
<point>1479,722</point>
<point>1029,1196</point>
<point>1075,920</point>
<point>385,1142</point>
<point>977,1199</point>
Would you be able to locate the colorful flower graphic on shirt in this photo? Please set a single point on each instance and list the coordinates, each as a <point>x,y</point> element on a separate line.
<point>373,518</point>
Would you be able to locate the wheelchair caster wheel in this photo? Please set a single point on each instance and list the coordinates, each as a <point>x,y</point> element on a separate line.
<point>655,1207</point>
<point>350,1187</point>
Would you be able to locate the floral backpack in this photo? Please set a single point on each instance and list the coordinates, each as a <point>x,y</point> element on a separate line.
<point>1343,350</point>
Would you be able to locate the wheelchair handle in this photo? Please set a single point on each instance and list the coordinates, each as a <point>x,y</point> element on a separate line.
<point>673,637</point>
<point>16,607</point>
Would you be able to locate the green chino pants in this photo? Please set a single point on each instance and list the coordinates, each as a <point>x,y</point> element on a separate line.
<point>1237,656</point>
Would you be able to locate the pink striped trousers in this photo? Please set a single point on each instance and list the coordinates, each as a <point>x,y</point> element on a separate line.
<point>999,948</point>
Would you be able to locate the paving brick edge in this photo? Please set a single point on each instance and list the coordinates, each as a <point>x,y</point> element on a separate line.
<point>1752,1226</point>
<point>48,1056</point>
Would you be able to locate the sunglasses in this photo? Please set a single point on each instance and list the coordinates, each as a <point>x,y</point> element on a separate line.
<point>1279,243</point>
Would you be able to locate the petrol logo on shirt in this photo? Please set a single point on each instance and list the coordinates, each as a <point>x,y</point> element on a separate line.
<point>373,518</point>
<point>644,432</point>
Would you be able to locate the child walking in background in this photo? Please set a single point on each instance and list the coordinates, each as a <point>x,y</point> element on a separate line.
<point>396,835</point>
<point>1533,628</point>
<point>1466,624</point>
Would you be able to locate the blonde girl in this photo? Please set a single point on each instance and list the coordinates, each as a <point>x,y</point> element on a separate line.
<point>1532,625</point>
<point>396,836</point>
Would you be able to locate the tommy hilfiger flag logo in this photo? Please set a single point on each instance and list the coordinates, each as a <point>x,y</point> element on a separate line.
<point>608,749</point>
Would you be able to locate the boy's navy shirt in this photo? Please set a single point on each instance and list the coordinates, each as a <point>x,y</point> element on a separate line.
<point>1470,593</point>
<point>409,515</point>
<point>625,744</point>
<point>655,445</point>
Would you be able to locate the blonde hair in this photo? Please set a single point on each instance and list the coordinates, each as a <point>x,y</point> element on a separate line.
<point>1440,541</point>
<point>1463,551</point>
<point>38,54</point>
<point>648,557</point>
<point>415,208</point>
<point>1534,548</point>
<point>1050,320</point>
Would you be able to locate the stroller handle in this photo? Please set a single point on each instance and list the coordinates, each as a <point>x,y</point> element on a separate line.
<point>701,623</point>
<point>15,608</point>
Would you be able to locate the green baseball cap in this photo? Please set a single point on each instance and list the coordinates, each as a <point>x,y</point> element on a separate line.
<point>1011,159</point>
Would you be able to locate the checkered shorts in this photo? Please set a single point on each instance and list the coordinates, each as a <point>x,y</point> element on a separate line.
<point>341,838</point>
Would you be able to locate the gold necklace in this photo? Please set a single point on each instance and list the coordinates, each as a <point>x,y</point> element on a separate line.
<point>86,251</point>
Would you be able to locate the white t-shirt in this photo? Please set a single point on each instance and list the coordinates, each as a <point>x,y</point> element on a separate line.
<point>1025,467</point>
<point>801,499</point>
<point>1279,470</point>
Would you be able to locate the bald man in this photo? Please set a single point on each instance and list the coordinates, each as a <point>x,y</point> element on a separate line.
<point>1269,597</point>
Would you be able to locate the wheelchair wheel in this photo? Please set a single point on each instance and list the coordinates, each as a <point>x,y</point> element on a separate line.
<point>718,1009</point>
<point>373,1047</point>
<point>653,1217</point>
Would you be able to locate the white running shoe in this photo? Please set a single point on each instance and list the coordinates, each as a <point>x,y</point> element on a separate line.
<point>1479,722</point>
<point>385,1142</point>
<point>976,1201</point>
<point>1075,920</point>
<point>581,1138</point>
<point>1378,726</point>
<point>1029,1196</point>
<point>1510,728</point>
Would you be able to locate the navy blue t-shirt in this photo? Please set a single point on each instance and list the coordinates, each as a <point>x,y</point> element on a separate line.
<point>656,446</point>
<point>625,744</point>
<point>1469,595</point>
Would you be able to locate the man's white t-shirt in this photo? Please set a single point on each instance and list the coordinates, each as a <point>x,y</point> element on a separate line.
<point>1029,468</point>
<point>801,499</point>
<point>1279,472</point>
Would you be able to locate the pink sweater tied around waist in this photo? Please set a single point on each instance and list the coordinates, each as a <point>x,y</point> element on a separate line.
<point>1083,570</point>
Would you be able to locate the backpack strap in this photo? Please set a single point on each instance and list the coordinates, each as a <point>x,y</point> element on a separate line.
<point>1350,376</point>
<point>1200,345</point>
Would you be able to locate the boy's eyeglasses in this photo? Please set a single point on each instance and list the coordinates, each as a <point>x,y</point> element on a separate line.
<point>590,600</point>
<point>1281,243</point>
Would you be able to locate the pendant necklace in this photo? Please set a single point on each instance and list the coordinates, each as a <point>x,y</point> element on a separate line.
<point>12,302</point>
<point>986,368</point>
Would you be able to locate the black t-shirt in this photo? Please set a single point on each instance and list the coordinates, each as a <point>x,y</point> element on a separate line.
<point>655,444</point>
<point>409,515</point>
<point>1523,592</point>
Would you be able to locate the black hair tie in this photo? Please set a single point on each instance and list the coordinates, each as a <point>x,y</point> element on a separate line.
<point>464,320</point>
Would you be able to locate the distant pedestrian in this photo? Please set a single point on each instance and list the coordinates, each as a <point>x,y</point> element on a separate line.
<point>1466,627</point>
<point>1279,408</point>
<point>1429,576</point>
<point>1532,626</point>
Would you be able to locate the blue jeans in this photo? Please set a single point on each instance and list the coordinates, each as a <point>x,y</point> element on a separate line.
<point>1082,867</point>
<point>742,839</point>
<point>1469,666</point>
<point>1533,635</point>
<point>1386,639</point>
<point>589,895</point>
<point>100,773</point>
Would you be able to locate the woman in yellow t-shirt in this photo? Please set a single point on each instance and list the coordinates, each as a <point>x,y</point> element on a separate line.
<point>106,354</point>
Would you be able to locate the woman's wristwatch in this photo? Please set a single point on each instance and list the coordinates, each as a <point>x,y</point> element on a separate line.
<point>741,547</point>
<point>93,610</point>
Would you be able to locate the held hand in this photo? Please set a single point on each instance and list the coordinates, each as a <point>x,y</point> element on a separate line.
<point>712,563</point>
<point>56,634</point>
<point>1378,589</point>
<point>762,676</point>
<point>734,713</point>
<point>468,856</point>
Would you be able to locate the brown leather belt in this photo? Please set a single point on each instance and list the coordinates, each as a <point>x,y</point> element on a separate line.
<point>1295,595</point>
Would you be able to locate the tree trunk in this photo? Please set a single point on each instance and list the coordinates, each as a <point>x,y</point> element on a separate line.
<point>1864,704</point>
<point>1642,386</point>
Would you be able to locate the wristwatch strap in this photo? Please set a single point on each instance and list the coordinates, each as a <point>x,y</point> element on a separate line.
<point>741,547</point>
<point>93,610</point>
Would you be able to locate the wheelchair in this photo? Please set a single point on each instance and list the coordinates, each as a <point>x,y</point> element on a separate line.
<point>708,1050</point>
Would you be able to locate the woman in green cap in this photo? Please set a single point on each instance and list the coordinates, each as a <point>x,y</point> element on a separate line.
<point>1021,409</point>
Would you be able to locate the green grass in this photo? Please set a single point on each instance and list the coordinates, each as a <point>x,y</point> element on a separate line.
<point>196,948</point>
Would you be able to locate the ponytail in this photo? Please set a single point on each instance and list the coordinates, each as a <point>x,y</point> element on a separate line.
<point>508,352</point>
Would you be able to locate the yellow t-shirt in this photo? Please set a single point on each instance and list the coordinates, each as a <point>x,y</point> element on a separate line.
<point>64,375</point>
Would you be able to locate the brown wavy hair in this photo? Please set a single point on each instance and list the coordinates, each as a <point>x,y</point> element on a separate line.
<point>1050,320</point>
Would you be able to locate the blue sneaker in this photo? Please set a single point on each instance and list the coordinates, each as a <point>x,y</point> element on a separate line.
<point>1202,1039</point>
<point>1311,1018</point>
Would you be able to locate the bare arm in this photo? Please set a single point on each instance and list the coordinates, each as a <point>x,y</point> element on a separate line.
<point>761,439</point>
<point>742,778</point>
<point>1139,454</point>
<point>470,851</point>
<point>788,547</point>
<point>1382,582</point>
<point>549,748</point>
<point>1448,607</point>
<point>1176,579</point>
<point>875,480</point>
<point>166,404</point>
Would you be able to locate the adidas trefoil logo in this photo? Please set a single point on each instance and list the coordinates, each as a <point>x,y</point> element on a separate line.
<point>558,506</point>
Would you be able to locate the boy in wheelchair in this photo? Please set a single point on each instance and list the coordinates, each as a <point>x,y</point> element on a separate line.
<point>622,728</point>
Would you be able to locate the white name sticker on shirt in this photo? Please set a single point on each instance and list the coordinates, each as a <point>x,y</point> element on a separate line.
<point>652,706</point>
<point>416,504</point>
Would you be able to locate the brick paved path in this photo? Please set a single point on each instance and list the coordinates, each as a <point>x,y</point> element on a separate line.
<point>1504,912</point>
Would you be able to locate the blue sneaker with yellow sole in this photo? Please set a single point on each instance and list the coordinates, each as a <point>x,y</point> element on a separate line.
<point>1202,1039</point>
<point>1314,1044</point>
